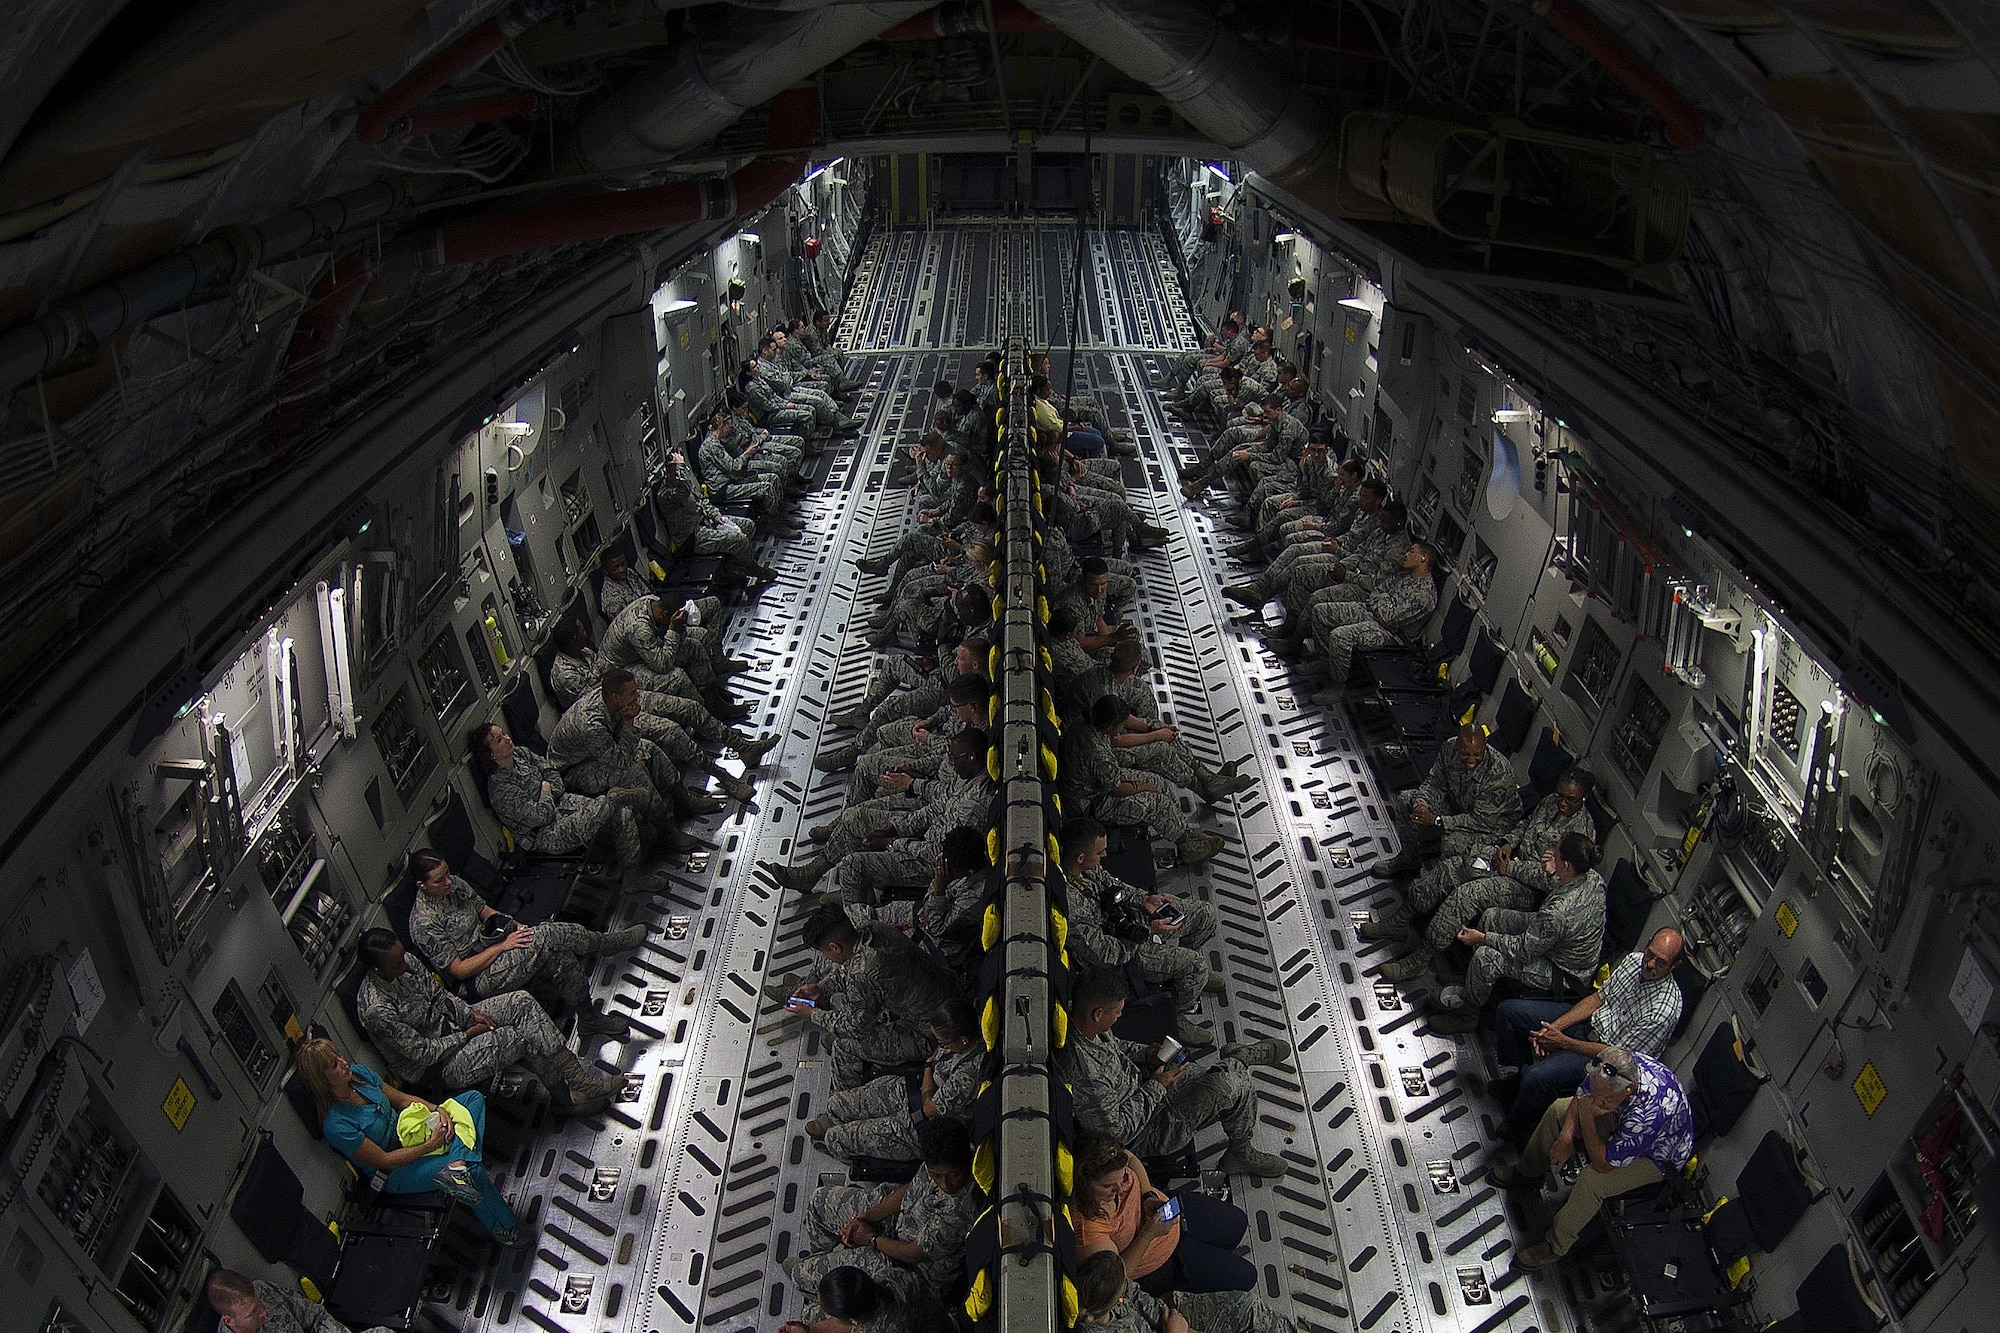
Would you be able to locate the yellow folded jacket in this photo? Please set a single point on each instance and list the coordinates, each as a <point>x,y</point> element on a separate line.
<point>414,1124</point>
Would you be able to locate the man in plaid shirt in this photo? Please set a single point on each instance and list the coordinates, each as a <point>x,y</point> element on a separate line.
<point>1550,1043</point>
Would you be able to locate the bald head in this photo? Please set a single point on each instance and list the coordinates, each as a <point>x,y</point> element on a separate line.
<point>1471,745</point>
<point>1663,953</point>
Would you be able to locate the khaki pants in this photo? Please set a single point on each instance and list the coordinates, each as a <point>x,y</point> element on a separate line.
<point>1593,1187</point>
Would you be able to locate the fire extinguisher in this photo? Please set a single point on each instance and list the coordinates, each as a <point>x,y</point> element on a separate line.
<point>812,247</point>
<point>1213,231</point>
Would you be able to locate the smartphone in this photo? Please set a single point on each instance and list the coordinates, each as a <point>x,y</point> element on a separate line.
<point>805,1000</point>
<point>1170,914</point>
<point>1169,1210</point>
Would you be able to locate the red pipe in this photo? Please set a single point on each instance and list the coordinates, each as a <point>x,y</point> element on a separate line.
<point>379,118</point>
<point>1591,35</point>
<point>616,213</point>
<point>475,111</point>
<point>1322,32</point>
<point>961,19</point>
<point>316,336</point>
<point>794,119</point>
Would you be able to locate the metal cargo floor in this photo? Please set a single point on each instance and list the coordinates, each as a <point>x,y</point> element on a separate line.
<point>1384,1221</point>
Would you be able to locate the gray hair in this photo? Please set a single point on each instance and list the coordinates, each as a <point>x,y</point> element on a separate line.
<point>1613,1070</point>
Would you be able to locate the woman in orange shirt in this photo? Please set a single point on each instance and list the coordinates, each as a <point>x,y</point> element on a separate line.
<point>1116,1208</point>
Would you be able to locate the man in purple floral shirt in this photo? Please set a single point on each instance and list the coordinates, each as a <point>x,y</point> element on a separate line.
<point>1631,1119</point>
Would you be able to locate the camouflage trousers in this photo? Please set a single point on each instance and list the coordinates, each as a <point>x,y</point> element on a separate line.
<point>522,1033</point>
<point>1344,629</point>
<point>891,672</point>
<point>831,1208</point>
<point>911,704</point>
<point>1450,904</point>
<point>649,767</point>
<point>1221,1094</point>
<point>873,1120</point>
<point>1488,966</point>
<point>1172,760</point>
<point>1230,1312</point>
<point>859,1053</point>
<point>554,960</point>
<point>1180,969</point>
<point>732,537</point>
<point>1158,811</point>
<point>579,822</point>
<point>907,861</point>
<point>919,760</point>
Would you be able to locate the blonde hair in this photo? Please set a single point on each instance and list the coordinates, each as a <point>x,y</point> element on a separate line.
<point>316,1060</point>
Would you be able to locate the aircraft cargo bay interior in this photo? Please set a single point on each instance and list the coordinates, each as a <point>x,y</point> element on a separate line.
<point>1013,667</point>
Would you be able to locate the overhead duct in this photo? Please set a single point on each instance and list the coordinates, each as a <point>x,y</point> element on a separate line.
<point>963,18</point>
<point>715,78</point>
<point>1593,36</point>
<point>1508,184</point>
<point>1195,61</point>
<point>615,213</point>
<point>1615,203</point>
<point>224,259</point>
<point>378,120</point>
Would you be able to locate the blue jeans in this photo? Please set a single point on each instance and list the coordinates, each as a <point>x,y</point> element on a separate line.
<point>420,1176</point>
<point>1206,1258</point>
<point>1086,442</point>
<point>1543,1080</point>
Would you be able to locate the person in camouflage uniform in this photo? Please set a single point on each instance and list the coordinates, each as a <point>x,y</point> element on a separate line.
<point>732,478</point>
<point>877,1006</point>
<point>825,350</point>
<point>1554,948</point>
<point>1394,613</point>
<point>1162,1111</point>
<point>950,914</point>
<point>787,451</point>
<point>529,797</point>
<point>1453,891</point>
<point>1105,913</point>
<point>690,522</point>
<point>1468,800</point>
<point>447,926</point>
<point>622,584</point>
<point>607,735</point>
<point>1094,780</point>
<point>577,667</point>
<point>958,799</point>
<point>1311,556</point>
<point>880,1119</point>
<point>921,747</point>
<point>599,753</point>
<point>1362,564</point>
<point>1110,1302</point>
<point>1154,748</point>
<point>1363,572</point>
<point>903,1235</point>
<point>653,639</point>
<point>774,411</point>
<point>423,1029</point>
<point>248,1305</point>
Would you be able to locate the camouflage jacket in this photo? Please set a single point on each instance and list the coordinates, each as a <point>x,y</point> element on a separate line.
<point>1482,801</point>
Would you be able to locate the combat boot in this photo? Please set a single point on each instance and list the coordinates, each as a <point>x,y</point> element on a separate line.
<point>1252,1162</point>
<point>1196,848</point>
<point>580,1089</point>
<point>801,876</point>
<point>1395,926</point>
<point>751,750</point>
<point>629,937</point>
<point>592,1021</point>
